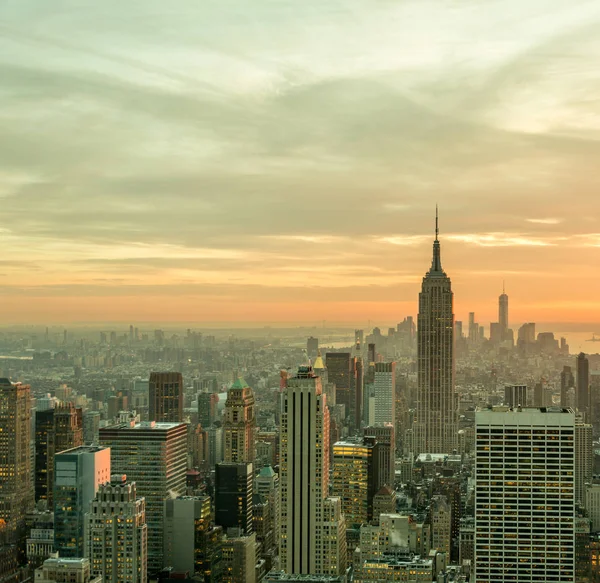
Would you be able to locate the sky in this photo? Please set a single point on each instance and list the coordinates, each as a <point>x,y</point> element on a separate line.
<point>280,161</point>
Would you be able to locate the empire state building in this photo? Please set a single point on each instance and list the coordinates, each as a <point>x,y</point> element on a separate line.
<point>436,423</point>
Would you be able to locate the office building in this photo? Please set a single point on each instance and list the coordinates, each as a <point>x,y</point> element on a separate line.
<point>116,537</point>
<point>384,502</point>
<point>567,382</point>
<point>440,519</point>
<point>583,386</point>
<point>239,558</point>
<point>334,550</point>
<point>91,427</point>
<point>384,392</point>
<point>584,460</point>
<point>312,347</point>
<point>339,373</point>
<point>592,505</point>
<point>355,477</point>
<point>66,570</point>
<point>44,426</point>
<point>234,484</point>
<point>239,423</point>
<point>166,397</point>
<point>208,409</point>
<point>266,484</point>
<point>515,395</point>
<point>503,314</point>
<point>436,424</point>
<point>304,475</point>
<point>40,539</point>
<point>154,456</point>
<point>16,487</point>
<point>78,473</point>
<point>385,436</point>
<point>525,495</point>
<point>67,433</point>
<point>186,518</point>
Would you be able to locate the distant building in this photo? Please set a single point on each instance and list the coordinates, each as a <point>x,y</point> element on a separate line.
<point>166,397</point>
<point>583,386</point>
<point>384,392</point>
<point>515,395</point>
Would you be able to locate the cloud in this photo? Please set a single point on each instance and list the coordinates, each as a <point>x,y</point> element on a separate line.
<point>548,221</point>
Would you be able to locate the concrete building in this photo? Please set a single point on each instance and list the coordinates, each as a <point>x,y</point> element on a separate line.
<point>166,397</point>
<point>592,505</point>
<point>40,540</point>
<point>239,423</point>
<point>582,392</point>
<point>525,495</point>
<point>62,570</point>
<point>384,435</point>
<point>16,487</point>
<point>185,517</point>
<point>304,475</point>
<point>154,456</point>
<point>91,427</point>
<point>436,423</point>
<point>440,519</point>
<point>79,472</point>
<point>515,395</point>
<point>239,558</point>
<point>116,536</point>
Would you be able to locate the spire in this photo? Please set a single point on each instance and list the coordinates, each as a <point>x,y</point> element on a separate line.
<point>436,264</point>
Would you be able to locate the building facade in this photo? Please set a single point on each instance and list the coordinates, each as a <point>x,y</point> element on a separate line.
<point>525,495</point>
<point>154,456</point>
<point>116,536</point>
<point>166,397</point>
<point>436,423</point>
<point>239,423</point>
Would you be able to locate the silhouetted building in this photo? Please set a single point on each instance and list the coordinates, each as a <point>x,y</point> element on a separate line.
<point>583,385</point>
<point>233,496</point>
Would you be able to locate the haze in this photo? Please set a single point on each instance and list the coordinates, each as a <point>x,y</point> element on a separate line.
<point>280,160</point>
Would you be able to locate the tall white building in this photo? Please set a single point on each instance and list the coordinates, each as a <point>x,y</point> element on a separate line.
<point>304,475</point>
<point>436,423</point>
<point>384,403</point>
<point>584,460</point>
<point>525,495</point>
<point>116,535</point>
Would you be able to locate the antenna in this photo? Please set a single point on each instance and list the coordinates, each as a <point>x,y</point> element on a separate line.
<point>437,230</point>
<point>503,288</point>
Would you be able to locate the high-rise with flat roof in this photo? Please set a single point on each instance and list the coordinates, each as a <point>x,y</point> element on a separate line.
<point>436,424</point>
<point>78,473</point>
<point>385,392</point>
<point>16,487</point>
<point>154,456</point>
<point>116,540</point>
<point>306,524</point>
<point>166,397</point>
<point>234,485</point>
<point>525,495</point>
<point>583,386</point>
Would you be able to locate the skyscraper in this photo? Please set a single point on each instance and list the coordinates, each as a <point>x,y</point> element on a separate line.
<point>16,487</point>
<point>436,425</point>
<point>239,423</point>
<point>67,433</point>
<point>304,473</point>
<point>78,473</point>
<point>116,540</point>
<point>339,373</point>
<point>234,483</point>
<point>524,495</point>
<point>503,314</point>
<point>44,426</point>
<point>384,435</point>
<point>154,456</point>
<point>166,397</point>
<point>567,381</point>
<point>583,385</point>
<point>384,388</point>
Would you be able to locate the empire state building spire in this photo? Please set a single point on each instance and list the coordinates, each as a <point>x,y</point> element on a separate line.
<point>435,429</point>
<point>436,263</point>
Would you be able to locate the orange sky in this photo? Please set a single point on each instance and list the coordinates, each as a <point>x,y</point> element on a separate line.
<point>261,163</point>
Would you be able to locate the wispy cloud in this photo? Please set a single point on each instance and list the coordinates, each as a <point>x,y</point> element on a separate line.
<point>548,221</point>
<point>501,240</point>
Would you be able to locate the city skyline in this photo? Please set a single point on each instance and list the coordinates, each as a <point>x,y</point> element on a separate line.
<point>203,149</point>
